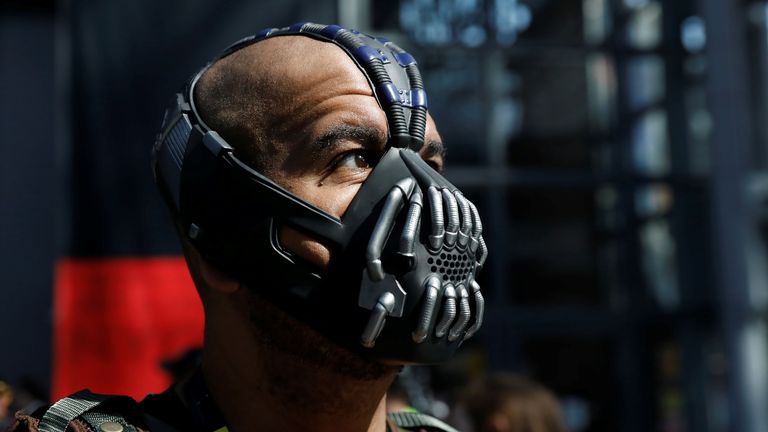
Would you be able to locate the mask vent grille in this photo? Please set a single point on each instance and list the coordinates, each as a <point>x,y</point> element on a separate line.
<point>452,266</point>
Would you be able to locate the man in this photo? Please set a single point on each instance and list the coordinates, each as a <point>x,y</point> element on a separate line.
<point>296,166</point>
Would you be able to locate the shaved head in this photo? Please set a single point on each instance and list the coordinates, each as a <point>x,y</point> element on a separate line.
<point>249,96</point>
<point>231,98</point>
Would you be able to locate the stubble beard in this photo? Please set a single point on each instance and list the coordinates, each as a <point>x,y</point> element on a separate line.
<point>282,332</point>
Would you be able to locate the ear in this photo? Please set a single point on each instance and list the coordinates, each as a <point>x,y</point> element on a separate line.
<point>216,279</point>
<point>210,275</point>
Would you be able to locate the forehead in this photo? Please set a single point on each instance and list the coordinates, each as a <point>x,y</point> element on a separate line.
<point>296,73</point>
<point>320,69</point>
<point>284,87</point>
<point>293,64</point>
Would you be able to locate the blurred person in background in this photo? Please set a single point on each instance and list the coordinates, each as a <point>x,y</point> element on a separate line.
<point>6,399</point>
<point>503,402</point>
<point>29,396</point>
<point>303,174</point>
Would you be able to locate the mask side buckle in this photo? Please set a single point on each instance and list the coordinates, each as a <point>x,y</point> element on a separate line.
<point>384,298</point>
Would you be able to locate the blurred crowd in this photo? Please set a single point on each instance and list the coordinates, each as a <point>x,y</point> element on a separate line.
<point>496,402</point>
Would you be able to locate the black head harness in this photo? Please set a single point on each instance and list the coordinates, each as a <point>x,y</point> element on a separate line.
<point>401,282</point>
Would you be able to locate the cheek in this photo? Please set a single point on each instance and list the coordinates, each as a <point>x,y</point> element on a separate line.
<point>333,201</point>
<point>310,250</point>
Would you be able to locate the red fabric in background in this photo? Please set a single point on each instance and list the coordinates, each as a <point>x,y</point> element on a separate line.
<point>115,320</point>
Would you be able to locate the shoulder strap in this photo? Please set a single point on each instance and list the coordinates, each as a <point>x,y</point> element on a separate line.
<point>60,414</point>
<point>413,420</point>
<point>82,404</point>
<point>102,422</point>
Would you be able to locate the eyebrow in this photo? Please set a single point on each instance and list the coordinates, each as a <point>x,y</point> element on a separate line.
<point>368,137</point>
<point>434,148</point>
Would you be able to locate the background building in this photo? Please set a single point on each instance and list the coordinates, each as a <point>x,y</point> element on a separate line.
<point>618,150</point>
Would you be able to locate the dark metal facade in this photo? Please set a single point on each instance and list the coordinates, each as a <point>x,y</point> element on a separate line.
<point>617,149</point>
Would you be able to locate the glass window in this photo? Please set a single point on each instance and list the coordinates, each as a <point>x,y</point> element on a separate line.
<point>643,29</point>
<point>553,244</point>
<point>645,82</point>
<point>582,372</point>
<point>650,144</point>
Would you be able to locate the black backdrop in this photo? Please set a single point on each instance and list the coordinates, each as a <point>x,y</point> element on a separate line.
<point>27,198</point>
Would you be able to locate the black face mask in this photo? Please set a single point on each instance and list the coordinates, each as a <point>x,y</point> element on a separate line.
<point>400,286</point>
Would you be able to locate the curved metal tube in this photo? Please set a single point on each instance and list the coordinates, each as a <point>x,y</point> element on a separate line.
<point>384,307</point>
<point>477,228</point>
<point>428,311</point>
<point>466,220</point>
<point>449,311</point>
<point>464,315</point>
<point>482,251</point>
<point>438,222</point>
<point>384,225</point>
<point>408,237</point>
<point>451,219</point>
<point>479,310</point>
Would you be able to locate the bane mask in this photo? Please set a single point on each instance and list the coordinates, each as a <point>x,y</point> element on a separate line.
<point>400,286</point>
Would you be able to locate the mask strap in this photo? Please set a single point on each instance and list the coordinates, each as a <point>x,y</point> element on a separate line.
<point>406,108</point>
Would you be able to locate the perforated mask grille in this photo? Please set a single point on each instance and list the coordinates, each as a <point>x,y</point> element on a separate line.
<point>453,266</point>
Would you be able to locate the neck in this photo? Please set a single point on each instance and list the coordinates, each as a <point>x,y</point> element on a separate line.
<point>259,387</point>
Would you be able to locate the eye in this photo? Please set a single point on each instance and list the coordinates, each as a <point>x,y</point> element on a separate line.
<point>355,160</point>
<point>358,160</point>
<point>350,167</point>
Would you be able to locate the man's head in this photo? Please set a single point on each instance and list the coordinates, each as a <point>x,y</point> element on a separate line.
<point>298,166</point>
<point>301,112</point>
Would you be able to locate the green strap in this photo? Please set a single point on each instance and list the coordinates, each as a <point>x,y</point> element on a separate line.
<point>82,405</point>
<point>96,419</point>
<point>60,414</point>
<point>411,420</point>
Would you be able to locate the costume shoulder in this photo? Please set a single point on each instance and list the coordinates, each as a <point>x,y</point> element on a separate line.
<point>89,412</point>
<point>413,421</point>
